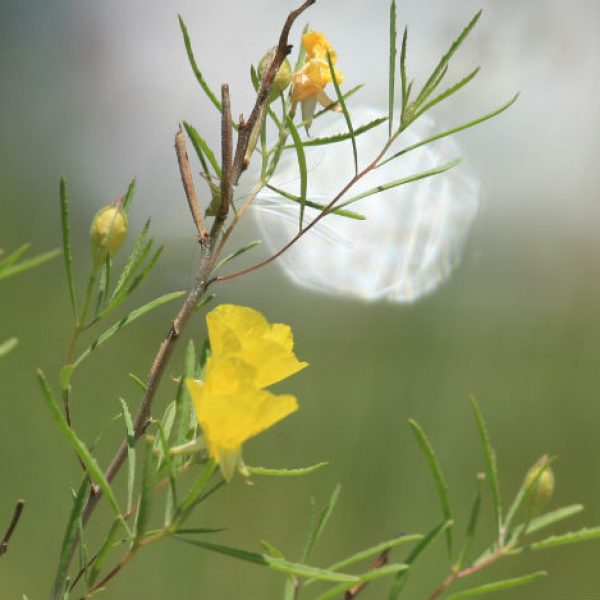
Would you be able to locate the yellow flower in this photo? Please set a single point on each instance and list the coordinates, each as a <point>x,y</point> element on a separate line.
<point>308,84</point>
<point>244,333</point>
<point>248,354</point>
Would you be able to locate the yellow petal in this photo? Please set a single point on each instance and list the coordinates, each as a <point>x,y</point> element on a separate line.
<point>317,45</point>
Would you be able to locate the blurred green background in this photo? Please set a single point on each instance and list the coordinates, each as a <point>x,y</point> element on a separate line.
<point>94,92</point>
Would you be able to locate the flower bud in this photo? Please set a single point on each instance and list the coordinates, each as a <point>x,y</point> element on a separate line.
<point>540,483</point>
<point>283,77</point>
<point>108,232</point>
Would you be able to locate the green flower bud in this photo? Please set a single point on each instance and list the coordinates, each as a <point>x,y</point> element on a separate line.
<point>108,232</point>
<point>283,77</point>
<point>540,483</point>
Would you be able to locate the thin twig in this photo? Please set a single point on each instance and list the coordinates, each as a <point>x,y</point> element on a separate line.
<point>12,526</point>
<point>188,185</point>
<point>240,162</point>
<point>380,561</point>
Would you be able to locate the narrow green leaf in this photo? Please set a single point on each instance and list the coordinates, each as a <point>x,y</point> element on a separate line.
<point>342,213</point>
<point>472,526</point>
<point>375,550</point>
<point>496,586</point>
<point>146,493</point>
<point>490,462</point>
<point>320,523</point>
<point>372,575</point>
<point>131,458</point>
<point>573,537</point>
<point>340,137</point>
<point>188,48</point>
<point>452,131</point>
<point>286,472</point>
<point>446,93</point>
<point>392,73</point>
<point>66,240</point>
<point>141,384</point>
<point>30,263</point>
<point>146,270</point>
<point>200,530</point>
<point>434,78</point>
<point>403,79</point>
<point>198,487</point>
<point>14,256</point>
<point>301,166</point>
<point>277,564</point>
<point>111,540</point>
<point>8,345</point>
<point>129,195</point>
<point>83,552</point>
<point>271,550</point>
<point>345,96</point>
<point>398,182</point>
<point>184,432</point>
<point>202,147</point>
<point>126,320</point>
<point>94,471</point>
<point>171,472</point>
<point>107,427</point>
<point>301,52</point>
<point>69,539</point>
<point>400,579</point>
<point>439,481</point>
<point>553,517</point>
<point>342,103</point>
<point>235,254</point>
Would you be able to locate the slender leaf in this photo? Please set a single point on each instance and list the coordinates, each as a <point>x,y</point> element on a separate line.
<point>277,564</point>
<point>271,550</point>
<point>129,195</point>
<point>447,93</point>
<point>188,48</point>
<point>27,264</point>
<point>573,537</point>
<point>146,270</point>
<point>490,462</point>
<point>452,131</point>
<point>340,137</point>
<point>400,579</point>
<point>345,96</point>
<point>398,182</point>
<point>94,471</point>
<point>146,493</point>
<point>69,539</point>
<point>439,481</point>
<point>375,550</point>
<point>335,211</point>
<point>66,240</point>
<point>8,345</point>
<point>473,518</point>
<point>126,320</point>
<point>320,523</point>
<point>130,453</point>
<point>111,540</point>
<point>301,166</point>
<point>200,530</point>
<point>403,79</point>
<point>104,431</point>
<point>235,254</point>
<point>372,575</point>
<point>434,78</point>
<point>342,103</point>
<point>198,487</point>
<point>497,586</point>
<point>183,402</point>
<point>163,437</point>
<point>14,256</point>
<point>392,73</point>
<point>286,472</point>
<point>141,384</point>
<point>201,147</point>
<point>553,517</point>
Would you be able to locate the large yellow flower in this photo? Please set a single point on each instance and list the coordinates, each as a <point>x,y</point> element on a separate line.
<point>248,354</point>
<point>244,333</point>
<point>308,84</point>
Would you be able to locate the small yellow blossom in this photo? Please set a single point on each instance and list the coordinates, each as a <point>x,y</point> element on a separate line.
<point>107,232</point>
<point>248,354</point>
<point>244,333</point>
<point>308,84</point>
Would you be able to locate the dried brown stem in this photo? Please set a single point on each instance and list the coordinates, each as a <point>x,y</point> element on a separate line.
<point>226,160</point>
<point>379,562</point>
<point>188,185</point>
<point>240,162</point>
<point>12,526</point>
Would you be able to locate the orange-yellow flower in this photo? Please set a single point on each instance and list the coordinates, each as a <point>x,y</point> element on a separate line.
<point>248,354</point>
<point>308,84</point>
